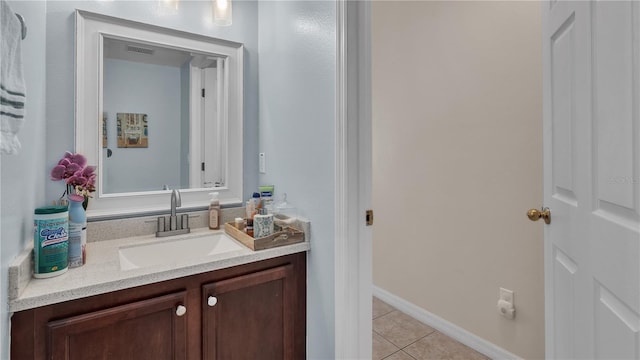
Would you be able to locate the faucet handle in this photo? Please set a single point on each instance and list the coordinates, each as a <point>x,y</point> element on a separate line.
<point>184,221</point>
<point>161,224</point>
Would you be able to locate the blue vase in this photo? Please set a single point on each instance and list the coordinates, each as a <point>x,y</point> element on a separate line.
<point>77,231</point>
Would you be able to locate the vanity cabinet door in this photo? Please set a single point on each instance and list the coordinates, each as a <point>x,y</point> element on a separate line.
<point>149,329</point>
<point>251,316</point>
<point>257,312</point>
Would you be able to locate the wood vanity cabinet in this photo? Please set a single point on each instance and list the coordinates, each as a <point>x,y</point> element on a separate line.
<point>246,317</point>
<point>252,311</point>
<point>150,327</point>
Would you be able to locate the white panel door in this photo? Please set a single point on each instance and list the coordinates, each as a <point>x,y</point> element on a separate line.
<point>592,179</point>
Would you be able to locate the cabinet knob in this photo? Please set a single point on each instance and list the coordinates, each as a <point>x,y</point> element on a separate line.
<point>181,310</point>
<point>212,301</point>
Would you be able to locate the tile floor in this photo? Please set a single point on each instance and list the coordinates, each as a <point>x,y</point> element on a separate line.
<point>397,336</point>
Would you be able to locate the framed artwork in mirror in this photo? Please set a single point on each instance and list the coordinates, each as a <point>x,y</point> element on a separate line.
<point>132,130</point>
<point>104,130</point>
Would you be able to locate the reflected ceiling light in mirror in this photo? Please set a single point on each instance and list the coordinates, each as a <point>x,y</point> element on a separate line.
<point>170,6</point>
<point>222,12</point>
<point>306,26</point>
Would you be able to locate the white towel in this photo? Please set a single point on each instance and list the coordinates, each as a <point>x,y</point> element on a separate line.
<point>12,87</point>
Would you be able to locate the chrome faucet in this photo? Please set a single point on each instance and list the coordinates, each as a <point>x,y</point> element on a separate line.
<point>175,227</point>
<point>175,202</point>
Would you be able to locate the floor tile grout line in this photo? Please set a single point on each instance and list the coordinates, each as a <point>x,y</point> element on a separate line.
<point>409,344</point>
<point>422,337</point>
<point>403,348</point>
<point>387,313</point>
<point>409,355</point>
<point>381,315</point>
<point>390,311</point>
<point>381,336</point>
<point>390,342</point>
<point>416,340</point>
<point>406,353</point>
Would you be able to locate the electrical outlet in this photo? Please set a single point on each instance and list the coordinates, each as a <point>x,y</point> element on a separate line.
<point>505,304</point>
<point>506,295</point>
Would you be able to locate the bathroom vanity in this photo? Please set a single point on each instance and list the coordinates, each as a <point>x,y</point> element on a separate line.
<point>127,302</point>
<point>241,304</point>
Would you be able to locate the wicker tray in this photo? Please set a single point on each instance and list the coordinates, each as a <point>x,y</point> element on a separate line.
<point>287,236</point>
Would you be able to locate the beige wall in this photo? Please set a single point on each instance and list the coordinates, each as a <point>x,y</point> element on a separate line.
<point>457,118</point>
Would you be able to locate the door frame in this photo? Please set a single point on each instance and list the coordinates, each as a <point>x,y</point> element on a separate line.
<point>353,246</point>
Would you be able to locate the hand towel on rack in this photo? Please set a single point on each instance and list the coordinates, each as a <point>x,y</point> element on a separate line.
<point>12,86</point>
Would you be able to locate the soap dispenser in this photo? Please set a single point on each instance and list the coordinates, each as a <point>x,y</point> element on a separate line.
<point>214,212</point>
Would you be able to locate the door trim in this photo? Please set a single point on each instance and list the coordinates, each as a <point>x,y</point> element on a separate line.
<point>353,273</point>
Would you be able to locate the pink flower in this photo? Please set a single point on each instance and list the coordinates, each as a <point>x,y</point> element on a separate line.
<point>57,173</point>
<point>77,180</point>
<point>72,169</point>
<point>79,177</point>
<point>64,162</point>
<point>88,171</point>
<point>78,159</point>
<point>69,165</point>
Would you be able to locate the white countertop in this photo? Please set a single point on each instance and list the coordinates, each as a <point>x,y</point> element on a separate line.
<point>101,274</point>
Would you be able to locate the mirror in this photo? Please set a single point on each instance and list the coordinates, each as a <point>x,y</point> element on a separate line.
<point>142,84</point>
<point>147,118</point>
<point>157,109</point>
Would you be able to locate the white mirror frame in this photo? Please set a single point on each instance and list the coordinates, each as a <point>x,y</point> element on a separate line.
<point>91,28</point>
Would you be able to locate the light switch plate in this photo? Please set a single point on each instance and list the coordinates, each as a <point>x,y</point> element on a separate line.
<point>262,168</point>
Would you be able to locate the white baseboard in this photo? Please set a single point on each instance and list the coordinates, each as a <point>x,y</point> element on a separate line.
<point>455,332</point>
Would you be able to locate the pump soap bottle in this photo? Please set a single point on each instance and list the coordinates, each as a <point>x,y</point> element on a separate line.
<point>214,212</point>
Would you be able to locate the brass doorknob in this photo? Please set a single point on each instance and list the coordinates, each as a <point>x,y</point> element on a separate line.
<point>535,215</point>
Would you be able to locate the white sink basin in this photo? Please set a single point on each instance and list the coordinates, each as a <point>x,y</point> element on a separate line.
<point>175,250</point>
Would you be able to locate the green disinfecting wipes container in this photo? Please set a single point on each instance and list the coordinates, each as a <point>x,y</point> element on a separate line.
<point>51,241</point>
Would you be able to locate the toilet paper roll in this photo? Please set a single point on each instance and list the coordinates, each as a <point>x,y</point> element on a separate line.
<point>506,309</point>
